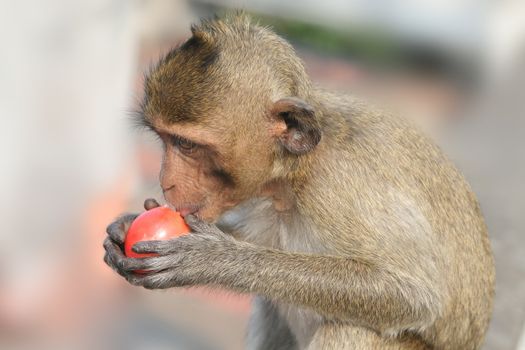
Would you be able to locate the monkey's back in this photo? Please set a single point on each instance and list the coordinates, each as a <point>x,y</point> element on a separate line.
<point>411,201</point>
<point>467,261</point>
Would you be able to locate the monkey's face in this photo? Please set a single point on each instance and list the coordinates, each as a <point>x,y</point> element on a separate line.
<point>207,170</point>
<point>217,162</point>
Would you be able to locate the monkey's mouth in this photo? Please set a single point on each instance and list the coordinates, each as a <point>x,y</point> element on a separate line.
<point>186,209</point>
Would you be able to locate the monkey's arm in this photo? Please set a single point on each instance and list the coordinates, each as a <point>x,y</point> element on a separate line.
<point>361,292</point>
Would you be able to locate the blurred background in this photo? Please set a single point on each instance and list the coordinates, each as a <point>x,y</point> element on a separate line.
<point>71,72</point>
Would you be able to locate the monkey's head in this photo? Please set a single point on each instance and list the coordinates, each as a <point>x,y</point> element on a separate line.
<point>230,106</point>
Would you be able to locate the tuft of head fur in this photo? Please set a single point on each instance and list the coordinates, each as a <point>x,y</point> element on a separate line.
<point>230,55</point>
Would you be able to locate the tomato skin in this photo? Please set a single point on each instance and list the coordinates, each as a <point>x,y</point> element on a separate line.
<point>157,224</point>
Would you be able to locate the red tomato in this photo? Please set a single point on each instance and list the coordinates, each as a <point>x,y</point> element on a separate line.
<point>157,224</point>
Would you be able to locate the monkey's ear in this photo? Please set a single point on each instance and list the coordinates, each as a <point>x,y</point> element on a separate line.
<point>299,131</point>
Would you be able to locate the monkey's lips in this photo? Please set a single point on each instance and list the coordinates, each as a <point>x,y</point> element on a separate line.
<point>187,209</point>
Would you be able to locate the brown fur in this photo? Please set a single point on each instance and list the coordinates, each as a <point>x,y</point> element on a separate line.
<point>355,227</point>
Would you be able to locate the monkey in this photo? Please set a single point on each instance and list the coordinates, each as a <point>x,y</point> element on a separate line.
<point>348,225</point>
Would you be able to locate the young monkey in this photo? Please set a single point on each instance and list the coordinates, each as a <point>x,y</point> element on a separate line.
<point>352,229</point>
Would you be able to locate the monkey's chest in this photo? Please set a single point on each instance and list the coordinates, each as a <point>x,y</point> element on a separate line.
<point>256,221</point>
<point>302,322</point>
<point>259,223</point>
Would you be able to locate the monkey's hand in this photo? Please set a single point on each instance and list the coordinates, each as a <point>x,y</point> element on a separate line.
<point>184,261</point>
<point>117,232</point>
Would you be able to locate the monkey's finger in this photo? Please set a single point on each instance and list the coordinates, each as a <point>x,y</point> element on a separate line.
<point>161,280</point>
<point>117,229</point>
<point>198,225</point>
<point>109,261</point>
<point>157,247</point>
<point>120,262</point>
<point>152,265</point>
<point>151,203</point>
<point>115,232</point>
<point>160,263</point>
<point>201,227</point>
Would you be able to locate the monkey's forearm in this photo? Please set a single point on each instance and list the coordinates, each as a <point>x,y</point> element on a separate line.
<point>364,292</point>
<point>336,287</point>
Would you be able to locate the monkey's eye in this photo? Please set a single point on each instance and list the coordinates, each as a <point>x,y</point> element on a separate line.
<point>184,145</point>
